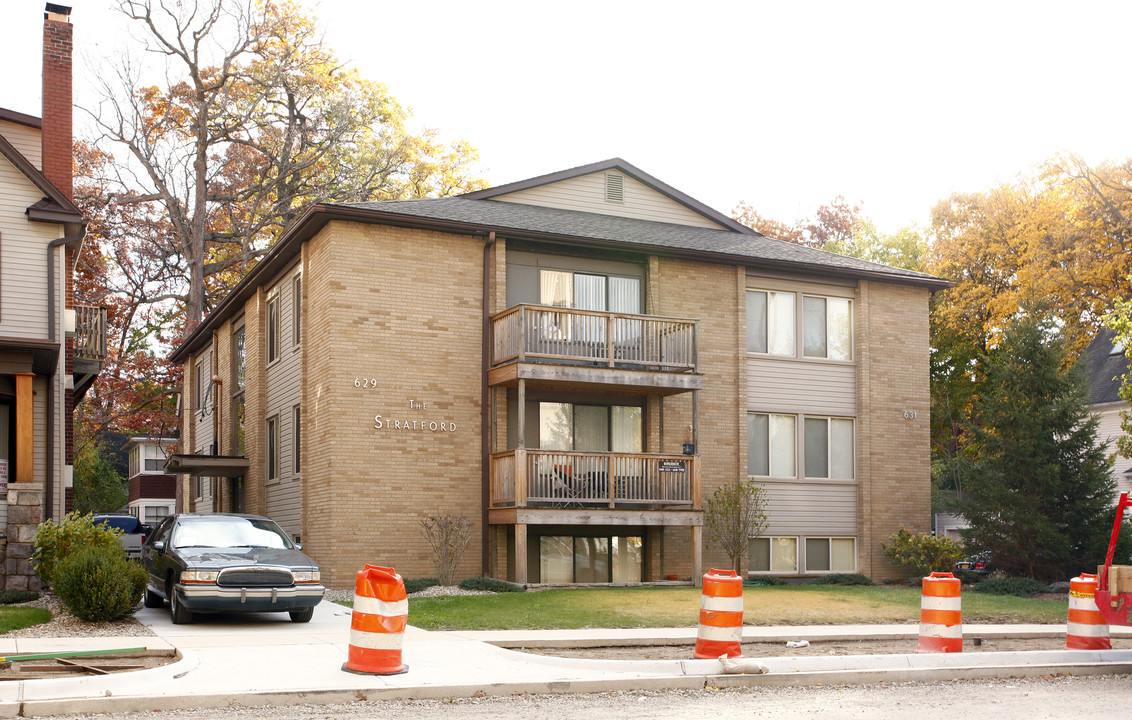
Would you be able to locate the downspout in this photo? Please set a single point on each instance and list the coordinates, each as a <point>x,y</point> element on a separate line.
<point>485,420</point>
<point>49,486</point>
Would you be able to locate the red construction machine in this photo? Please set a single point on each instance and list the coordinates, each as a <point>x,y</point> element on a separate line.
<point>1114,582</point>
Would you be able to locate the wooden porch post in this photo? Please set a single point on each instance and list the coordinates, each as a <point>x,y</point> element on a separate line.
<point>25,429</point>
<point>521,553</point>
<point>697,555</point>
<point>522,419</point>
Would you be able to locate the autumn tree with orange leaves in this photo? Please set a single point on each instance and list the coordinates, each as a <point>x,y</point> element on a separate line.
<point>188,182</point>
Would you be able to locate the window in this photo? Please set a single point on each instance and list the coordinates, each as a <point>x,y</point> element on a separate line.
<point>770,322</point>
<point>155,514</point>
<point>591,428</point>
<point>272,328</point>
<point>831,555</point>
<point>239,359</point>
<point>203,370</point>
<point>154,464</point>
<point>296,308</point>
<point>296,416</point>
<point>773,555</point>
<point>829,448</point>
<point>569,559</point>
<point>827,328</point>
<point>582,291</point>
<point>770,445</point>
<point>273,448</point>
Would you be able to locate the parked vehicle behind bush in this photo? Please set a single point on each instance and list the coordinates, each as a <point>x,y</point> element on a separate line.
<point>133,533</point>
<point>55,541</point>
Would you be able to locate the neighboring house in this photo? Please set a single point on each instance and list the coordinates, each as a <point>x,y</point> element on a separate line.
<point>1105,363</point>
<point>574,362</point>
<point>153,492</point>
<point>50,349</point>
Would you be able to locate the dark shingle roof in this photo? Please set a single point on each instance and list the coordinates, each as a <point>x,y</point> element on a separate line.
<point>509,216</point>
<point>1104,368</point>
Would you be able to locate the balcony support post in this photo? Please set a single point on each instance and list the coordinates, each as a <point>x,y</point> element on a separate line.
<point>697,555</point>
<point>521,553</point>
<point>696,420</point>
<point>522,419</point>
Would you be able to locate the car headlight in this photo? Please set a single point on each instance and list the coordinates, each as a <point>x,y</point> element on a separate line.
<point>306,576</point>
<point>205,576</point>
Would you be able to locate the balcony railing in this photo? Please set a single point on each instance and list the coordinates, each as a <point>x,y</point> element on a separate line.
<point>90,332</point>
<point>527,333</point>
<point>553,478</point>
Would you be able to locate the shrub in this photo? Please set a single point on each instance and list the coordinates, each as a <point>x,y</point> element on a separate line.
<point>10,597</point>
<point>844,579</point>
<point>54,542</point>
<point>764,580</point>
<point>491,585</point>
<point>1019,586</point>
<point>97,584</point>
<point>418,584</point>
<point>922,554</point>
<point>447,536</point>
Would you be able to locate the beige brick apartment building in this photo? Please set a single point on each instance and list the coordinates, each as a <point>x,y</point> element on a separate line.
<point>574,362</point>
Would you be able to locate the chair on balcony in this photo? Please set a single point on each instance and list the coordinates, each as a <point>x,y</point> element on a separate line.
<point>568,489</point>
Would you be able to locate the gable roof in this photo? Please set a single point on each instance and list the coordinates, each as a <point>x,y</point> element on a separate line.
<point>21,118</point>
<point>55,207</point>
<point>1103,368</point>
<point>613,164</point>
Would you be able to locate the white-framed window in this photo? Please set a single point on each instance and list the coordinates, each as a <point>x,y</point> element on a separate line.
<point>202,380</point>
<point>273,448</point>
<point>831,554</point>
<point>272,328</point>
<point>827,328</point>
<point>296,435</point>
<point>771,449</point>
<point>770,322</point>
<point>239,362</point>
<point>155,514</point>
<point>296,310</point>
<point>773,555</point>
<point>828,446</point>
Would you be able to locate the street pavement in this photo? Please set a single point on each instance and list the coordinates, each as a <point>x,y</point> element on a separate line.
<point>264,659</point>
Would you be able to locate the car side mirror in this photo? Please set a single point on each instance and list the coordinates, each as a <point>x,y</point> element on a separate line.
<point>298,546</point>
<point>158,546</point>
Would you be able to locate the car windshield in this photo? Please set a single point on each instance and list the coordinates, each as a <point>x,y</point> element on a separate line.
<point>229,532</point>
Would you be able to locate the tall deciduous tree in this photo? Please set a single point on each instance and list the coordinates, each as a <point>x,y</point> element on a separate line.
<point>833,223</point>
<point>734,515</point>
<point>1039,494</point>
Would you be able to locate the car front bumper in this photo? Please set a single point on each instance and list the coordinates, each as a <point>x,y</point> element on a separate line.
<point>214,598</point>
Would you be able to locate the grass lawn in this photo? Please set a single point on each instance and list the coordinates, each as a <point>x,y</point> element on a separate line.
<point>679,607</point>
<point>14,618</point>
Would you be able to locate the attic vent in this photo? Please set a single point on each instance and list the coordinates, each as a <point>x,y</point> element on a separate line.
<point>614,188</point>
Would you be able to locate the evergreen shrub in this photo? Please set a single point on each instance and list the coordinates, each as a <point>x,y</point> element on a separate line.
<point>418,584</point>
<point>11,597</point>
<point>491,585</point>
<point>96,584</point>
<point>55,541</point>
<point>844,579</point>
<point>1018,586</point>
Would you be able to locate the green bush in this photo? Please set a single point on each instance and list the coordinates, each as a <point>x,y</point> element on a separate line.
<point>922,554</point>
<point>418,584</point>
<point>844,579</point>
<point>10,597</point>
<point>1019,586</point>
<point>491,585</point>
<point>97,584</point>
<point>764,580</point>
<point>55,541</point>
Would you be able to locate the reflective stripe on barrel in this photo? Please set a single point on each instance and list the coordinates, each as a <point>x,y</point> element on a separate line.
<point>721,616</point>
<point>941,615</point>
<point>1086,628</point>
<point>377,626</point>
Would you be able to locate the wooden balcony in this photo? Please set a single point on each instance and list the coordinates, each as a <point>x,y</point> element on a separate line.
<point>555,345</point>
<point>90,332</point>
<point>526,478</point>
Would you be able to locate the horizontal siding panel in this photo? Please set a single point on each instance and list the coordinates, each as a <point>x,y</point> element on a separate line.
<point>1107,431</point>
<point>587,194</point>
<point>815,509</point>
<point>797,386</point>
<point>25,139</point>
<point>23,249</point>
<point>284,505</point>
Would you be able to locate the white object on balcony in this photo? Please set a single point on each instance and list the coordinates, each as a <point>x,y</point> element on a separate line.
<point>69,321</point>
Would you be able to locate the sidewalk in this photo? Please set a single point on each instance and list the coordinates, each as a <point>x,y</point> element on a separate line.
<point>251,660</point>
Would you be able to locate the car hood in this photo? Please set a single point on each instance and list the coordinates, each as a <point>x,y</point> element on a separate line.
<point>226,557</point>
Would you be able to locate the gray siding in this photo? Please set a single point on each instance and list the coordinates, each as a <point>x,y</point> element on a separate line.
<point>809,508</point>
<point>801,386</point>
<point>23,258</point>
<point>284,392</point>
<point>523,272</point>
<point>587,194</point>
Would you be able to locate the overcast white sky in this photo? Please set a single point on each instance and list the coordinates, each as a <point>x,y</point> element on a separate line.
<point>782,104</point>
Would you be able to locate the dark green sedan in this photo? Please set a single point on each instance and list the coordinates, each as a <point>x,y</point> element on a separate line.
<point>218,562</point>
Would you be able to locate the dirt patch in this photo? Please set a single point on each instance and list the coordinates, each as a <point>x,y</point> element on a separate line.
<point>40,668</point>
<point>816,648</point>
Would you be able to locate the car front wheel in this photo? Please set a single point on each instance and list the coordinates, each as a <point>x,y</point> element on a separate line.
<point>180,614</point>
<point>301,616</point>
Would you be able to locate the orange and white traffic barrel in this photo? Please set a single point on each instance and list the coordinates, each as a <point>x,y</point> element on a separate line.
<point>377,628</point>
<point>1086,629</point>
<point>941,615</point>
<point>721,616</point>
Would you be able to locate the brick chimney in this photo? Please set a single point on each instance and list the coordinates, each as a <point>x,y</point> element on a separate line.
<point>57,110</point>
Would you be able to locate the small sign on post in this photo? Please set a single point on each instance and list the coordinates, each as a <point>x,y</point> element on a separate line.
<point>672,466</point>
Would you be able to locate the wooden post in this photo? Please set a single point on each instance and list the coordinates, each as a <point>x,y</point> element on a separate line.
<point>697,555</point>
<point>522,333</point>
<point>609,321</point>
<point>520,477</point>
<point>521,553</point>
<point>25,429</point>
